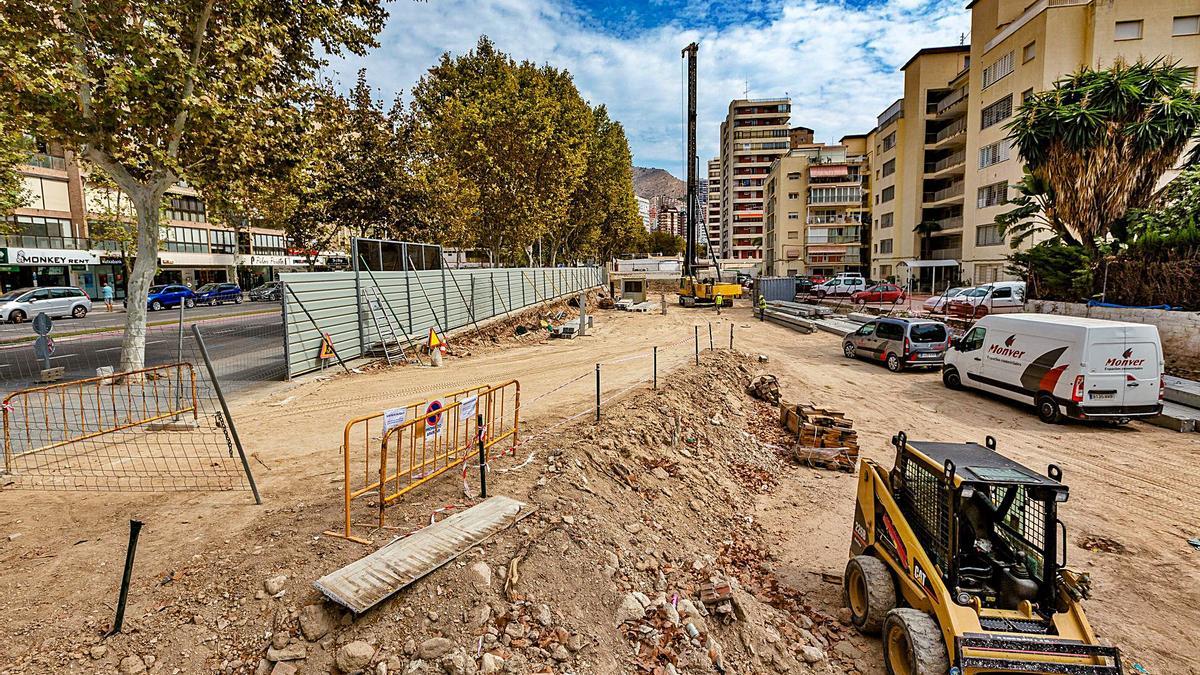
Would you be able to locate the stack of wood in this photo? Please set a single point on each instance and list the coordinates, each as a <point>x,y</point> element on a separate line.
<point>823,438</point>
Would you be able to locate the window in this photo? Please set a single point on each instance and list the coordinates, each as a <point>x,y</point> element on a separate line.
<point>867,329</point>
<point>886,220</point>
<point>889,141</point>
<point>889,331</point>
<point>1002,292</point>
<point>888,194</point>
<point>927,332</point>
<point>835,195</point>
<point>223,241</point>
<point>793,195</point>
<point>1026,95</point>
<point>792,215</point>
<point>1002,68</point>
<point>795,175</point>
<point>885,245</point>
<point>993,154</point>
<point>1029,52</point>
<point>1128,30</point>
<point>973,340</point>
<point>889,167</point>
<point>1186,25</point>
<point>186,239</point>
<point>793,235</point>
<point>189,209</point>
<point>988,235</point>
<point>996,112</point>
<point>992,195</point>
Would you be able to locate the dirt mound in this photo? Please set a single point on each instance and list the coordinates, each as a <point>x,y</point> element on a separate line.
<point>645,556</point>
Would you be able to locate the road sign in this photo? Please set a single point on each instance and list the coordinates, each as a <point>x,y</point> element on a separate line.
<point>436,342</point>
<point>42,325</point>
<point>43,348</point>
<point>326,347</point>
<point>433,422</point>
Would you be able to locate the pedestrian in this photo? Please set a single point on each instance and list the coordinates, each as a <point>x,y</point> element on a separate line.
<point>107,293</point>
<point>720,301</point>
<point>762,307</point>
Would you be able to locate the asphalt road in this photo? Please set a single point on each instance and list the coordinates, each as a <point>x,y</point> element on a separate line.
<point>245,350</point>
<point>98,318</point>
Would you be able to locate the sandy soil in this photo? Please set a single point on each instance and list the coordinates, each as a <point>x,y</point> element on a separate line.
<point>202,555</point>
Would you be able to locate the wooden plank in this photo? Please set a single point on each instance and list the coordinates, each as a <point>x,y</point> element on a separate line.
<point>368,581</point>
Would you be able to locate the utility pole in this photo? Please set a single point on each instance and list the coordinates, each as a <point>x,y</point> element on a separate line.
<point>689,248</point>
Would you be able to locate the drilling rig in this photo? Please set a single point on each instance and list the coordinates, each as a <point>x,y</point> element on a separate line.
<point>691,290</point>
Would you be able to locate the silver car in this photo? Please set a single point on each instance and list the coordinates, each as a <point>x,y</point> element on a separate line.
<point>899,343</point>
<point>23,304</point>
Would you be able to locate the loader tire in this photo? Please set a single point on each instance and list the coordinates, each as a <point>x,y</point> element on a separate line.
<point>913,645</point>
<point>869,592</point>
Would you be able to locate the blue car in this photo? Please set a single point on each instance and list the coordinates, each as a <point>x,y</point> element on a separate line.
<point>219,294</point>
<point>168,295</point>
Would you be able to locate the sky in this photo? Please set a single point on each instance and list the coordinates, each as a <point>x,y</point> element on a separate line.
<point>839,60</point>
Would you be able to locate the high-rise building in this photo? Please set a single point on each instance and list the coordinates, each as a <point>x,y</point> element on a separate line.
<point>712,211</point>
<point>754,134</point>
<point>817,209</point>
<point>644,213</point>
<point>942,162</point>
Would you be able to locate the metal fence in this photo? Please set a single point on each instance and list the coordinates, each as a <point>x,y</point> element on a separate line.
<point>357,311</point>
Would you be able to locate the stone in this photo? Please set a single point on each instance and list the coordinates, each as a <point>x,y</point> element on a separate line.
<point>149,660</point>
<point>275,584</point>
<point>381,668</point>
<point>568,520</point>
<point>611,560</point>
<point>490,664</point>
<point>480,575</point>
<point>280,639</point>
<point>434,648</point>
<point>393,664</point>
<point>672,614</point>
<point>284,668</point>
<point>560,653</point>
<point>575,642</point>
<point>811,654</point>
<point>543,615</point>
<point>641,597</point>
<point>131,665</point>
<point>315,622</point>
<point>633,528</point>
<point>847,649</point>
<point>98,652</point>
<point>292,652</point>
<point>433,616</point>
<point>480,614</point>
<point>264,667</point>
<point>514,630</point>
<point>660,473</point>
<point>457,663</point>
<point>843,615</point>
<point>354,656</point>
<point>630,609</point>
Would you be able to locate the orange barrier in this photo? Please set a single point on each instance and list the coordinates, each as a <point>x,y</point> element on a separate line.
<point>365,442</point>
<point>45,418</point>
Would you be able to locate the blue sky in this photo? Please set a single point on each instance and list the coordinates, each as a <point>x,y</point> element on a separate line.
<point>839,60</point>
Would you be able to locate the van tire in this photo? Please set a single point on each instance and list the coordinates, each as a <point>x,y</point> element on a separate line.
<point>1048,410</point>
<point>849,351</point>
<point>894,363</point>
<point>951,378</point>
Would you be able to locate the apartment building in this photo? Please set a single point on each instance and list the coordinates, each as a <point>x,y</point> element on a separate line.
<point>643,205</point>
<point>59,236</point>
<point>942,162</point>
<point>754,134</point>
<point>817,208</point>
<point>712,210</point>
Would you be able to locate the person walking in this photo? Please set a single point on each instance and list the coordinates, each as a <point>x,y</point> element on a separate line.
<point>762,307</point>
<point>720,301</point>
<point>107,293</point>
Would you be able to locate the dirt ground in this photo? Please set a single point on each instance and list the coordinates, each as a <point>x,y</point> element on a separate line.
<point>630,506</point>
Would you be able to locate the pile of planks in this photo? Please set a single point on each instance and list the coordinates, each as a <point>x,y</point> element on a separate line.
<point>823,438</point>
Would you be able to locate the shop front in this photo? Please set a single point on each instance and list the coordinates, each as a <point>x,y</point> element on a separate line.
<point>24,267</point>
<point>194,269</point>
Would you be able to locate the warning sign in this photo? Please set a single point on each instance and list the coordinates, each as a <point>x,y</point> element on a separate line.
<point>436,341</point>
<point>326,347</point>
<point>433,421</point>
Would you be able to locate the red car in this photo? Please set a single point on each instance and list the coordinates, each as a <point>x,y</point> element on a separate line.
<point>879,293</point>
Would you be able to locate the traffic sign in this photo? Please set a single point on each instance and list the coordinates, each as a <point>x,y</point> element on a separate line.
<point>43,347</point>
<point>436,341</point>
<point>433,422</point>
<point>42,325</point>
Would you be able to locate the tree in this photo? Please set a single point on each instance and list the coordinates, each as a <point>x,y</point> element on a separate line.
<point>665,243</point>
<point>604,220</point>
<point>155,91</point>
<point>1101,139</point>
<point>1035,212</point>
<point>14,149</point>
<point>1171,228</point>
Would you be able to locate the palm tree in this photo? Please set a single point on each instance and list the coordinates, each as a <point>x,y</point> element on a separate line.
<point>1101,139</point>
<point>1035,211</point>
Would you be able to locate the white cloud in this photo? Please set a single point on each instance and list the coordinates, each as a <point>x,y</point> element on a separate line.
<point>840,64</point>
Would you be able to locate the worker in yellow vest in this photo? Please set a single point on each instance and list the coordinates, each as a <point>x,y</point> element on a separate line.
<point>720,301</point>
<point>762,307</point>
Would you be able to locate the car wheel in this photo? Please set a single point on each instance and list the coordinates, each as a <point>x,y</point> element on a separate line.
<point>79,311</point>
<point>894,363</point>
<point>849,350</point>
<point>17,316</point>
<point>1048,410</point>
<point>912,644</point>
<point>237,300</point>
<point>869,592</point>
<point>189,303</point>
<point>951,378</point>
<point>156,306</point>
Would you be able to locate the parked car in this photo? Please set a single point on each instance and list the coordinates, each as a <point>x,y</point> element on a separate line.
<point>938,304</point>
<point>168,295</point>
<point>272,291</point>
<point>879,293</point>
<point>1065,365</point>
<point>900,343</point>
<point>219,294</point>
<point>22,304</point>
<point>1000,297</point>
<point>839,286</point>
<point>804,284</point>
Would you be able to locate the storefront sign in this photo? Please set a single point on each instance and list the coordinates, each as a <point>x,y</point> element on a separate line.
<point>32,257</point>
<point>337,261</point>
<point>111,260</point>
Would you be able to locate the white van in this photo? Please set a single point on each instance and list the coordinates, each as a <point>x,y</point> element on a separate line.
<point>1065,365</point>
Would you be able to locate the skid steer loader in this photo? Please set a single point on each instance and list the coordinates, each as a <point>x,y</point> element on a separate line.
<point>958,558</point>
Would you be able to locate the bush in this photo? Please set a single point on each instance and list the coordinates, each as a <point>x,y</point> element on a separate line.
<point>1053,271</point>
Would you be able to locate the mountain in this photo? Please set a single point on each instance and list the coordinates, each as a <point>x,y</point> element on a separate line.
<point>650,182</point>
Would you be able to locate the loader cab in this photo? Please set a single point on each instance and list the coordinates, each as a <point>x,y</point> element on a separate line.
<point>988,524</point>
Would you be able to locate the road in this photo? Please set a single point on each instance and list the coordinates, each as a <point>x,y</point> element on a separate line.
<point>98,318</point>
<point>245,349</point>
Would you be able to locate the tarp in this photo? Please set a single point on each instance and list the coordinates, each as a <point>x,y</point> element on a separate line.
<point>1097,303</point>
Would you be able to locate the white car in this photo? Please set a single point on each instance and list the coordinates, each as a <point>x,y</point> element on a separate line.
<point>22,304</point>
<point>839,286</point>
<point>937,304</point>
<point>998,297</point>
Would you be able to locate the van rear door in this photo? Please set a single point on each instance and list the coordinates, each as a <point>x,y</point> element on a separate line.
<point>1123,370</point>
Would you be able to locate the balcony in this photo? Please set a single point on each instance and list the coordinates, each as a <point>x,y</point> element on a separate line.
<point>954,161</point>
<point>45,161</point>
<point>953,131</point>
<point>844,219</point>
<point>951,223</point>
<point>944,254</point>
<point>955,190</point>
<point>835,239</point>
<point>949,106</point>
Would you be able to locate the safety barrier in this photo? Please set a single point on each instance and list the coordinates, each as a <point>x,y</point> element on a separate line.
<point>444,443</point>
<point>45,418</point>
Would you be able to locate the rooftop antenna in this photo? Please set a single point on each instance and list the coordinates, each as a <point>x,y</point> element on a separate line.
<point>746,89</point>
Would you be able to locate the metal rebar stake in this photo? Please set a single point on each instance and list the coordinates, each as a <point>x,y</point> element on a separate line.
<point>597,392</point>
<point>135,528</point>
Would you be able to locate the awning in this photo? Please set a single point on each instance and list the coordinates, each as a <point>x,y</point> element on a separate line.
<point>917,264</point>
<point>828,171</point>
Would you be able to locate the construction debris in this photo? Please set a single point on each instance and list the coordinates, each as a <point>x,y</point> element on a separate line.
<point>765,388</point>
<point>788,320</point>
<point>823,438</point>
